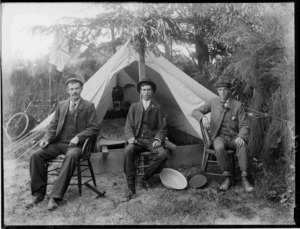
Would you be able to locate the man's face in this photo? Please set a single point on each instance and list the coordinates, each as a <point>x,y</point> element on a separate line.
<point>74,90</point>
<point>223,93</point>
<point>146,92</point>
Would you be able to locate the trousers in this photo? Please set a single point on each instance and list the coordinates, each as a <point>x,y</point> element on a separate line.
<point>38,168</point>
<point>221,145</point>
<point>159,157</point>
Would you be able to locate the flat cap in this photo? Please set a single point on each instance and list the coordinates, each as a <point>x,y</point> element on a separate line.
<point>147,82</point>
<point>74,80</point>
<point>222,83</point>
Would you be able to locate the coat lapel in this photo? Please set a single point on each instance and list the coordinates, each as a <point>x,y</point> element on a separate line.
<point>64,111</point>
<point>80,106</point>
<point>151,106</point>
<point>65,108</point>
<point>141,107</point>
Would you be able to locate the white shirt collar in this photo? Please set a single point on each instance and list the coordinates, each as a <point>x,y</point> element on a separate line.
<point>76,103</point>
<point>146,103</point>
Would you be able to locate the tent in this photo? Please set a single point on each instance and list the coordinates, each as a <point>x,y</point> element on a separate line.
<point>177,92</point>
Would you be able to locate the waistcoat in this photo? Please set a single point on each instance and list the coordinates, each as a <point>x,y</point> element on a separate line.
<point>68,130</point>
<point>224,130</point>
<point>145,132</point>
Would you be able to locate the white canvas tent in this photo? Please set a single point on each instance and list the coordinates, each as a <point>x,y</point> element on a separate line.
<point>177,92</point>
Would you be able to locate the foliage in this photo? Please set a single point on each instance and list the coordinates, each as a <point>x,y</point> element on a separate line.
<point>250,44</point>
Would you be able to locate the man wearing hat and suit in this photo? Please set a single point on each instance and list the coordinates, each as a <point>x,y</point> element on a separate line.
<point>145,130</point>
<point>73,122</point>
<point>229,129</point>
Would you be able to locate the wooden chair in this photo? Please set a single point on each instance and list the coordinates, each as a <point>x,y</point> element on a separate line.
<point>142,161</point>
<point>209,154</point>
<point>83,164</point>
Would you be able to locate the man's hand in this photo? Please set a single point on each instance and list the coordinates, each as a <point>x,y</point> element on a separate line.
<point>206,123</point>
<point>74,141</point>
<point>132,141</point>
<point>239,142</point>
<point>44,143</point>
<point>156,144</point>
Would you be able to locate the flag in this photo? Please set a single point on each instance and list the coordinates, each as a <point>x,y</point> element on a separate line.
<point>60,50</point>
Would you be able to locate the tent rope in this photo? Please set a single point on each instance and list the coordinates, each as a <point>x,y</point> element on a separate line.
<point>261,115</point>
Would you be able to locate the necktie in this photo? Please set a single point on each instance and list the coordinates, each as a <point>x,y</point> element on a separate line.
<point>72,108</point>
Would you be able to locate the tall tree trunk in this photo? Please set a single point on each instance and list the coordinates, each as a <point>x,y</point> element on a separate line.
<point>202,53</point>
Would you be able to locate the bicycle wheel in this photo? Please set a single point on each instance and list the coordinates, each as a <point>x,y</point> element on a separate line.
<point>19,125</point>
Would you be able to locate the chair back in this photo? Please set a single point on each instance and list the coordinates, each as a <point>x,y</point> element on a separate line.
<point>205,136</point>
<point>89,146</point>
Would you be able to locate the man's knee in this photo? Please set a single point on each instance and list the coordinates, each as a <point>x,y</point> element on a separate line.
<point>162,153</point>
<point>37,154</point>
<point>74,152</point>
<point>219,148</point>
<point>129,151</point>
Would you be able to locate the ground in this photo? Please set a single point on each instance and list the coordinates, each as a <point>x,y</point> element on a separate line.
<point>157,206</point>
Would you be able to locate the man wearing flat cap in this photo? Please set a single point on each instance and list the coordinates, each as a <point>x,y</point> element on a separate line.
<point>145,130</point>
<point>229,129</point>
<point>73,122</point>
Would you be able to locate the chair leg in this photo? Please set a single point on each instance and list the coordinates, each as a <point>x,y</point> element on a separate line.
<point>136,172</point>
<point>79,178</point>
<point>233,166</point>
<point>204,161</point>
<point>92,172</point>
<point>47,167</point>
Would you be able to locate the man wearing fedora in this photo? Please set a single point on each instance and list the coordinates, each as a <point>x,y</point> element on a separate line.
<point>145,130</point>
<point>73,122</point>
<point>229,129</point>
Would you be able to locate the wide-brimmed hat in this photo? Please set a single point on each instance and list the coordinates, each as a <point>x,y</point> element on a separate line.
<point>222,83</point>
<point>148,82</point>
<point>74,80</point>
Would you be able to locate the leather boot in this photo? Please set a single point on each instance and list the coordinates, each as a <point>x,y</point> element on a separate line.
<point>227,182</point>
<point>52,205</point>
<point>144,183</point>
<point>36,199</point>
<point>246,184</point>
<point>129,194</point>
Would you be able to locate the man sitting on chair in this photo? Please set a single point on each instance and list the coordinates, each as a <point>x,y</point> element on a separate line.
<point>73,122</point>
<point>145,130</point>
<point>229,129</point>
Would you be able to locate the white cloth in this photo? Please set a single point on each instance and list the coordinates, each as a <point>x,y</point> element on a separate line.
<point>146,104</point>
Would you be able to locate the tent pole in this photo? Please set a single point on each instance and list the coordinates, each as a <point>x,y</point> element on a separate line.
<point>142,74</point>
<point>50,93</point>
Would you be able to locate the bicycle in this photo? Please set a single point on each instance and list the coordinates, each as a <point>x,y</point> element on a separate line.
<point>23,122</point>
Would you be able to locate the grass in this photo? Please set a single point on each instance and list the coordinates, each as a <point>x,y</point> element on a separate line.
<point>157,206</point>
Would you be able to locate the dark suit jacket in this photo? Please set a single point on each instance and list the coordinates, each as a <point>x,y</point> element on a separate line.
<point>157,124</point>
<point>239,126</point>
<point>85,120</point>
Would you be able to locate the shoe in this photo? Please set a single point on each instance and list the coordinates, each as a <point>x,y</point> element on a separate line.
<point>52,205</point>
<point>144,184</point>
<point>247,185</point>
<point>129,194</point>
<point>226,184</point>
<point>36,199</point>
